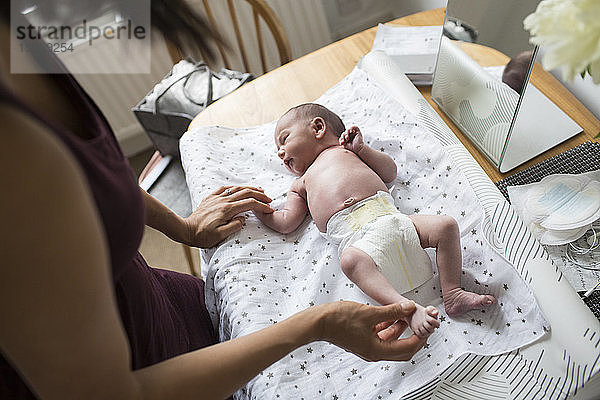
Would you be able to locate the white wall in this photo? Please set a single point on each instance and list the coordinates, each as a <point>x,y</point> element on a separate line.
<point>305,24</point>
<point>585,91</point>
<point>413,6</point>
<point>582,88</point>
<point>346,17</point>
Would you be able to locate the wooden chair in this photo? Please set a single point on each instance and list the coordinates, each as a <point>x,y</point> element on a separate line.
<point>237,56</point>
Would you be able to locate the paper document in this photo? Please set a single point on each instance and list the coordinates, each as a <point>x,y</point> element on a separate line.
<point>414,48</point>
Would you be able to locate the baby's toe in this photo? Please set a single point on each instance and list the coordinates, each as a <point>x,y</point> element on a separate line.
<point>434,323</point>
<point>422,332</point>
<point>431,324</point>
<point>431,311</point>
<point>429,328</point>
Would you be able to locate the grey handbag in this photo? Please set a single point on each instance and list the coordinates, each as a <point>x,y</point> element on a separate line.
<point>167,110</point>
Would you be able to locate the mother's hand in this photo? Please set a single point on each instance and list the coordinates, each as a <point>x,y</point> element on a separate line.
<point>217,215</point>
<point>371,332</point>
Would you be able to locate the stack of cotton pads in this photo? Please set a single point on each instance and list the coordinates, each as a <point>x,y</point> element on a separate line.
<point>562,209</point>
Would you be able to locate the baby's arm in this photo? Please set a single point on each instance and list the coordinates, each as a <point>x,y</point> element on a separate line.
<point>293,213</point>
<point>381,163</point>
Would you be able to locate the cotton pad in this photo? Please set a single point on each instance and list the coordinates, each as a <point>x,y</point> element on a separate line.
<point>559,208</point>
<point>564,202</point>
<point>554,237</point>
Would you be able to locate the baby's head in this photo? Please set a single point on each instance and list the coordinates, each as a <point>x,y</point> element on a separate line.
<point>309,111</point>
<point>515,72</point>
<point>303,132</point>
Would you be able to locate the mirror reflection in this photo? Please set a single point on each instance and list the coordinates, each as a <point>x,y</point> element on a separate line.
<point>483,66</point>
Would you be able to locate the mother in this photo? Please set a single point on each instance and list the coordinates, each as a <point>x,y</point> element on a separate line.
<point>83,315</point>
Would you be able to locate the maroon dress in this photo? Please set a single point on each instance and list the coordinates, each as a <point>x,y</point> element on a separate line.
<point>163,312</point>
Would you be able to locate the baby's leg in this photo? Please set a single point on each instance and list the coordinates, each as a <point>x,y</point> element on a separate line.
<point>360,268</point>
<point>442,233</point>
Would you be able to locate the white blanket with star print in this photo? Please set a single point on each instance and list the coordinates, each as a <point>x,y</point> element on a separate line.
<point>258,277</point>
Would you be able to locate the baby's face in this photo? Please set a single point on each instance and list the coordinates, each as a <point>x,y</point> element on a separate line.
<point>296,144</point>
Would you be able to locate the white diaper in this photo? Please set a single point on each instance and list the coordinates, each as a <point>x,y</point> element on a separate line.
<point>375,226</point>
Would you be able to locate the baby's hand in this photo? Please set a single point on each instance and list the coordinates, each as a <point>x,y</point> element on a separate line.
<point>352,139</point>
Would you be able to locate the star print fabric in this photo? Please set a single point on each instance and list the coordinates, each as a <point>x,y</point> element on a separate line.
<point>259,277</point>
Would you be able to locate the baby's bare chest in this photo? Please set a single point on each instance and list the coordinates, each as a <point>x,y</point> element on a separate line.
<point>336,182</point>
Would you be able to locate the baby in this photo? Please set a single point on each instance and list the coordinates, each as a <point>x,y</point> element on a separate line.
<point>341,183</point>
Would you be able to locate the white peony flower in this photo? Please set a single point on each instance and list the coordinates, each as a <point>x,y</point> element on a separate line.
<point>570,31</point>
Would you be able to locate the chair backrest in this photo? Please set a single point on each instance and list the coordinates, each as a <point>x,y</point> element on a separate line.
<point>244,48</point>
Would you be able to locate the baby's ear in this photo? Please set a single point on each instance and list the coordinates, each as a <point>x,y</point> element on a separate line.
<point>319,127</point>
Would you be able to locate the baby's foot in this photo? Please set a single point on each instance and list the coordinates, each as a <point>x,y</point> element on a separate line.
<point>458,301</point>
<point>423,321</point>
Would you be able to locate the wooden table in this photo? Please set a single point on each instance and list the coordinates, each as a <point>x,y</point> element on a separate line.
<point>305,79</point>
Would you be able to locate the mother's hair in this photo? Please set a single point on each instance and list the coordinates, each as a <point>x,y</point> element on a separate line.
<point>175,19</point>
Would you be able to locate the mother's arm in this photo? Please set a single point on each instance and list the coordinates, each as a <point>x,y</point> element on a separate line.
<point>217,371</point>
<point>216,217</point>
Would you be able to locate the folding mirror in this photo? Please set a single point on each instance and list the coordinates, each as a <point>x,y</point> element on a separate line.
<point>481,82</point>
